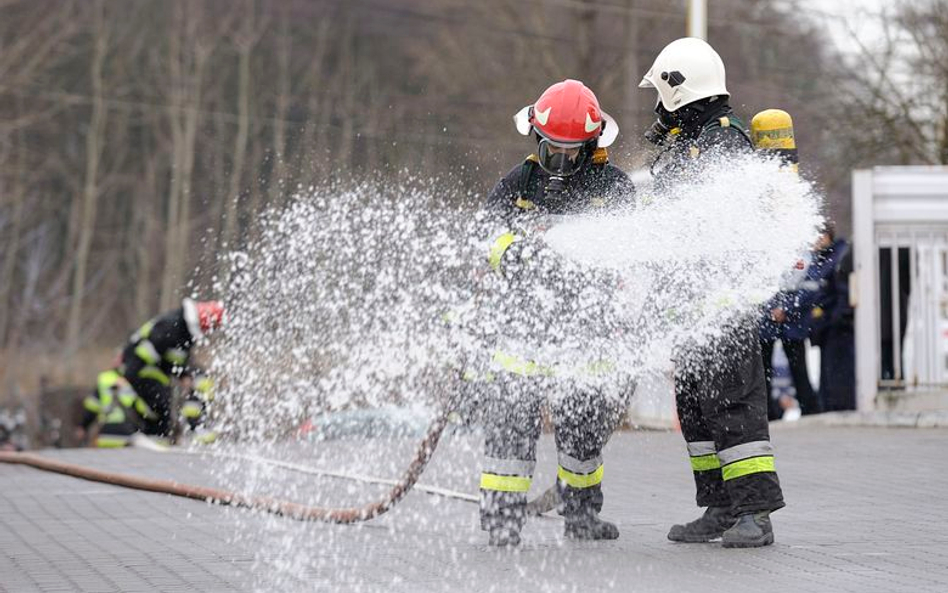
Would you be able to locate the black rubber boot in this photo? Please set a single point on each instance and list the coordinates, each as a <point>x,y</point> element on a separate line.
<point>586,524</point>
<point>504,536</point>
<point>708,527</point>
<point>752,530</point>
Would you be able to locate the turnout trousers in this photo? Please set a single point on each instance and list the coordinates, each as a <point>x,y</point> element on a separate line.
<point>512,423</point>
<point>722,407</point>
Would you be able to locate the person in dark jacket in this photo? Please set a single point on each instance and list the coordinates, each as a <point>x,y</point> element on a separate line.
<point>719,387</point>
<point>569,174</point>
<point>786,317</point>
<point>113,413</point>
<point>160,350</point>
<point>830,322</point>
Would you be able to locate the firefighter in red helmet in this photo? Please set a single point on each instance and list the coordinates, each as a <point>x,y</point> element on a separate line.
<point>160,350</point>
<point>568,174</point>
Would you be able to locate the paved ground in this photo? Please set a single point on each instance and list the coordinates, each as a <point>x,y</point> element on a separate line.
<point>866,512</point>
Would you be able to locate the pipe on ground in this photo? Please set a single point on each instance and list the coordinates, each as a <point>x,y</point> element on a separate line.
<point>276,506</point>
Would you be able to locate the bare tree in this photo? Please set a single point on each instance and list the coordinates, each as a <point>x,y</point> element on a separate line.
<point>191,49</point>
<point>95,144</point>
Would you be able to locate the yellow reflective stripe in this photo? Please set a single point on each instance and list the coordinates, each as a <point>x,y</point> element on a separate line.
<point>754,465</point>
<point>107,442</point>
<point>92,404</point>
<point>115,416</point>
<point>599,367</point>
<point>127,399</point>
<point>143,410</point>
<point>206,438</point>
<point>107,379</point>
<point>518,366</point>
<point>703,463</point>
<point>147,352</point>
<point>191,410</point>
<point>156,374</point>
<point>505,483</point>
<point>499,247</point>
<point>145,330</point>
<point>175,356</point>
<point>205,386</point>
<point>580,480</point>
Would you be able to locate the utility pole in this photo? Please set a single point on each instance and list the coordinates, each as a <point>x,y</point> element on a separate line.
<point>698,19</point>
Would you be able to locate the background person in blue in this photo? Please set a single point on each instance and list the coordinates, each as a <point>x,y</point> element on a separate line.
<point>831,322</point>
<point>785,317</point>
<point>791,315</point>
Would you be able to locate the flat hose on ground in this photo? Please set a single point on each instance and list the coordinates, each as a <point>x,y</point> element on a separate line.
<point>276,506</point>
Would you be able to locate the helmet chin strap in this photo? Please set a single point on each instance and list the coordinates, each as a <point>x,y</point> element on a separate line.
<point>689,119</point>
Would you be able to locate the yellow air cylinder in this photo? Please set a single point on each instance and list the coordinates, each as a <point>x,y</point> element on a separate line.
<point>772,133</point>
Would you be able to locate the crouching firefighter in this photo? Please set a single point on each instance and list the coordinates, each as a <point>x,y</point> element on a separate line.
<point>113,413</point>
<point>719,387</point>
<point>161,350</point>
<point>568,174</point>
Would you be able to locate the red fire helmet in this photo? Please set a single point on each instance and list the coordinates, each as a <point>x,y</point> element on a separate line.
<point>568,114</point>
<point>202,316</point>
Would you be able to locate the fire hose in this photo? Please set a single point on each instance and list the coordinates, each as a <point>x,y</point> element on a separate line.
<point>547,501</point>
<point>272,505</point>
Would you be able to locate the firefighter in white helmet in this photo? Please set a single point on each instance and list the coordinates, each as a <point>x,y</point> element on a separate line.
<point>719,387</point>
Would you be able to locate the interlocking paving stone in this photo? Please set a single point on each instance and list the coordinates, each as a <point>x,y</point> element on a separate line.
<point>865,513</point>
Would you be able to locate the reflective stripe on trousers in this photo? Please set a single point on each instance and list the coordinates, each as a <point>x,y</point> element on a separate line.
<point>747,458</point>
<point>703,456</point>
<point>507,475</point>
<point>578,473</point>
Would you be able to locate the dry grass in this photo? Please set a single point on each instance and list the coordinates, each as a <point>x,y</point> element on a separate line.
<point>24,373</point>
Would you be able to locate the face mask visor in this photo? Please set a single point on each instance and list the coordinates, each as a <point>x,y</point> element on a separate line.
<point>560,159</point>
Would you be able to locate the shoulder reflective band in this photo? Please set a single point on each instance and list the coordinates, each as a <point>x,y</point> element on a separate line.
<point>744,467</point>
<point>177,356</point>
<point>703,463</point>
<point>498,248</point>
<point>156,374</point>
<point>505,483</point>
<point>147,352</point>
<point>145,330</point>
<point>106,380</point>
<point>580,480</point>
